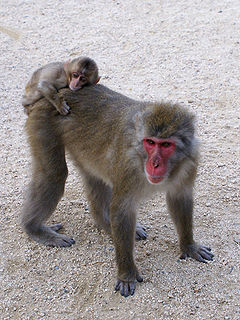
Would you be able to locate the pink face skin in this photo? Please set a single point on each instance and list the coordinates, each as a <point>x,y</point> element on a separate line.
<point>159,151</point>
<point>78,81</point>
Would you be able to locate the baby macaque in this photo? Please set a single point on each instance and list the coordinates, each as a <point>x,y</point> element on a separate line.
<point>47,80</point>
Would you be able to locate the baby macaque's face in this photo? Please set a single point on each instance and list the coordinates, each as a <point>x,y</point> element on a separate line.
<point>80,72</point>
<point>77,81</point>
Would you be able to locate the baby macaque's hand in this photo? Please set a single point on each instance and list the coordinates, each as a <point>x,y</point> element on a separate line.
<point>64,110</point>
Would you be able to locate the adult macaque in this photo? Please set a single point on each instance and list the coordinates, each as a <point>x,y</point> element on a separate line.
<point>47,80</point>
<point>125,150</point>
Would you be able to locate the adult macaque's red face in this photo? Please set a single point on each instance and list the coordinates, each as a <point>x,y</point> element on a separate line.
<point>78,80</point>
<point>159,151</point>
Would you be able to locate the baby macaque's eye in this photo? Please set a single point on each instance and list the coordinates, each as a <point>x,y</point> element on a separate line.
<point>75,75</point>
<point>83,79</point>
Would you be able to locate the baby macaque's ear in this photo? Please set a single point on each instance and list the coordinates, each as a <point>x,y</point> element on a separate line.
<point>98,79</point>
<point>66,64</point>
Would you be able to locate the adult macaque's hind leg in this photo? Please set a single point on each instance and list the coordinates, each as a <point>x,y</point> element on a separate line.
<point>141,233</point>
<point>43,196</point>
<point>47,186</point>
<point>99,196</point>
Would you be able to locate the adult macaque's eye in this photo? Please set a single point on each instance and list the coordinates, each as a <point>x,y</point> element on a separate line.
<point>149,141</point>
<point>166,144</point>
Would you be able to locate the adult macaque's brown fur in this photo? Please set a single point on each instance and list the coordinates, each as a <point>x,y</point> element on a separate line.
<point>104,135</point>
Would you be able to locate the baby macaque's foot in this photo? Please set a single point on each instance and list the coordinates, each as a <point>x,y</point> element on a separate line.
<point>27,109</point>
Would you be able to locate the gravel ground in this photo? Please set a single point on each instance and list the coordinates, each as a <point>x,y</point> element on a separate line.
<point>185,51</point>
